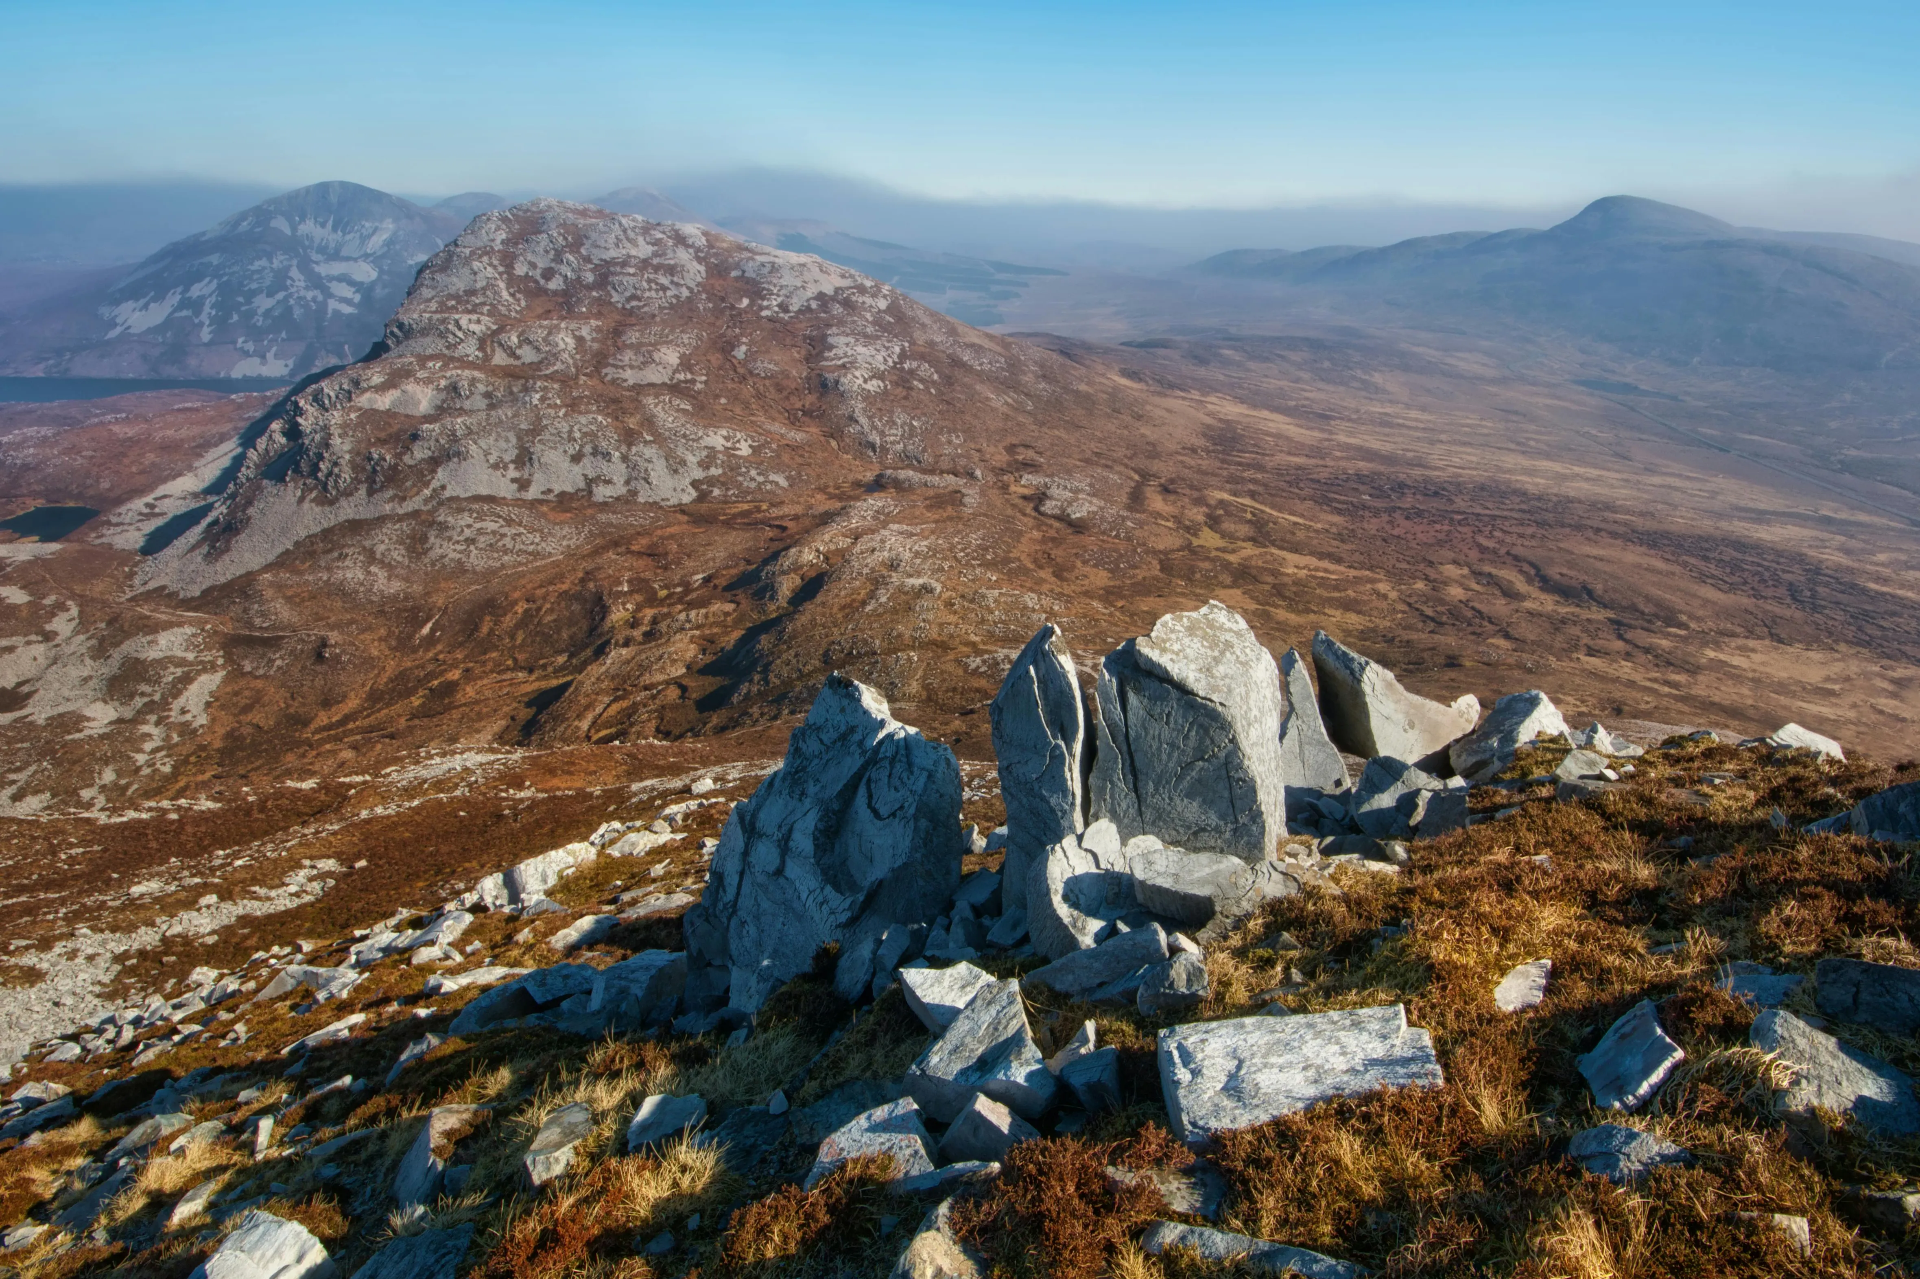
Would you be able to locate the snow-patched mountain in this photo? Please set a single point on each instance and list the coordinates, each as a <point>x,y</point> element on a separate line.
<point>295,284</point>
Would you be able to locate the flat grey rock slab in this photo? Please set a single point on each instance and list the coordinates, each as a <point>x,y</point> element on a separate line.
<point>1516,720</point>
<point>210,1130</point>
<point>1039,742</point>
<point>1758,984</point>
<point>147,1132</point>
<point>584,931</point>
<point>1173,985</point>
<point>1835,1076</point>
<point>937,995</point>
<point>1368,713</point>
<point>1189,737</point>
<point>1257,1255</point>
<point>894,1129</point>
<point>746,1136</point>
<point>79,1217</point>
<point>1622,1154</point>
<point>1631,1060</point>
<point>431,1254</point>
<point>193,1204</point>
<point>988,1049</point>
<point>336,1033</point>
<point>1308,758</point>
<point>639,990</point>
<point>662,1116</point>
<point>268,1247</point>
<point>859,829</point>
<point>1583,766</point>
<point>417,1179</point>
<point>1094,1079</point>
<point>935,1252</point>
<point>1524,987</point>
<point>1079,973</point>
<point>974,1170</point>
<point>1188,888</point>
<point>57,1111</point>
<point>1878,995</point>
<point>984,1132</point>
<point>554,1145</point>
<point>1221,1075</point>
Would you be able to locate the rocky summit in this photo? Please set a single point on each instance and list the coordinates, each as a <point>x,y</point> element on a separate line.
<point>686,760</point>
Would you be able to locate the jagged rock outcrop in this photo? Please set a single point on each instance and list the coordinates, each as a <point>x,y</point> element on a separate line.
<point>1397,800</point>
<point>857,831</point>
<point>1892,815</point>
<point>1515,721</point>
<point>989,1050</point>
<point>1189,737</point>
<point>1368,713</point>
<point>1040,742</point>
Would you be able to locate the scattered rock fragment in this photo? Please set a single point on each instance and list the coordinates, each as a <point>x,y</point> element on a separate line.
<point>1368,713</point>
<point>554,1145</point>
<point>937,995</point>
<point>662,1116</point>
<point>1076,889</point>
<point>1197,1189</point>
<point>418,1178</point>
<point>893,1129</point>
<point>1257,1255</point>
<point>1631,1060</point>
<point>1834,1076</point>
<point>269,1247</point>
<point>584,931</point>
<point>1094,1079</point>
<point>1188,888</point>
<point>338,1032</point>
<point>1082,972</point>
<point>1039,741</point>
<point>859,829</point>
<point>1622,1154</point>
<point>1174,985</point>
<point>984,1132</point>
<point>935,1252</point>
<point>1189,737</point>
<point>1397,800</point>
<point>192,1205</point>
<point>988,1049</point>
<point>1221,1075</point>
<point>1879,995</point>
<point>1798,1230</point>
<point>1524,987</point>
<point>1758,984</point>
<point>1891,816</point>
<point>1516,720</point>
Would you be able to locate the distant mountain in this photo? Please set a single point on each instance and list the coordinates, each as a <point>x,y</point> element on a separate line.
<point>1649,278</point>
<point>96,224</point>
<point>647,203</point>
<point>966,288</point>
<point>469,205</point>
<point>292,285</point>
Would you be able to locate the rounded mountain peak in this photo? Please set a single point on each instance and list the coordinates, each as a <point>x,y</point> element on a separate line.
<point>1632,216</point>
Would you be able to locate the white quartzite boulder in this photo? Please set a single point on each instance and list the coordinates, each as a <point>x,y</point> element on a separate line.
<point>1221,1075</point>
<point>268,1247</point>
<point>1792,736</point>
<point>1515,721</point>
<point>988,1049</point>
<point>893,1129</point>
<point>1189,737</point>
<point>1368,713</point>
<point>1834,1076</point>
<point>1524,987</point>
<point>937,995</point>
<point>1631,1060</point>
<point>1040,741</point>
<point>859,829</point>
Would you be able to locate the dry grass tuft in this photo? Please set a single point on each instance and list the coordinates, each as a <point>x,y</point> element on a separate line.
<point>792,1230</point>
<point>1055,1212</point>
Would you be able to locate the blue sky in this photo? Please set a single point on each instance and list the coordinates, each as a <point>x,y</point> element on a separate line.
<point>1181,105</point>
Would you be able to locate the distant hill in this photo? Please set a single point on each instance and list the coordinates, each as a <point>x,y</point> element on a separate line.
<point>1652,279</point>
<point>295,284</point>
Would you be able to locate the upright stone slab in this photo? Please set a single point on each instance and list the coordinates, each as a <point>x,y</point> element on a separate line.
<point>1188,888</point>
<point>1830,1075</point>
<point>1308,758</point>
<point>1220,1075</point>
<point>989,1049</point>
<point>1516,720</point>
<point>1040,743</point>
<point>1631,1060</point>
<point>857,831</point>
<point>1368,713</point>
<point>1189,737</point>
